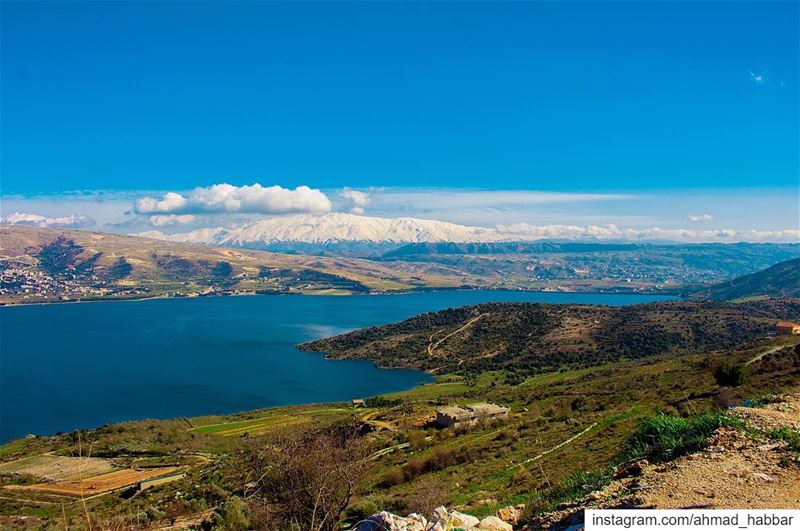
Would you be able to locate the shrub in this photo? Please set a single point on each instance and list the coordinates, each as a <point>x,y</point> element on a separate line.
<point>382,401</point>
<point>233,516</point>
<point>788,435</point>
<point>427,495</point>
<point>417,440</point>
<point>665,437</point>
<point>728,375</point>
<point>522,476</point>
<point>393,477</point>
<point>366,507</point>
<point>571,488</point>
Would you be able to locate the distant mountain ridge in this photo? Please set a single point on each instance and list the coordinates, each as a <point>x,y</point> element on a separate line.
<point>780,280</point>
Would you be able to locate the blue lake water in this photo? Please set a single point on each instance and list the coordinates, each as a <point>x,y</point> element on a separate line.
<point>68,366</point>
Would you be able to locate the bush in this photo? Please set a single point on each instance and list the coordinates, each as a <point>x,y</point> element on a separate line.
<point>382,401</point>
<point>417,440</point>
<point>728,375</point>
<point>522,476</point>
<point>427,494</point>
<point>366,507</point>
<point>572,488</point>
<point>789,436</point>
<point>393,477</point>
<point>665,437</point>
<point>233,516</point>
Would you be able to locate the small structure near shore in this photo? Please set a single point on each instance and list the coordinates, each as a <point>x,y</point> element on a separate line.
<point>357,403</point>
<point>455,416</point>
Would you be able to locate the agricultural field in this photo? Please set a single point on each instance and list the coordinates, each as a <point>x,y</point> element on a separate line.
<point>96,485</point>
<point>54,468</point>
<point>270,421</point>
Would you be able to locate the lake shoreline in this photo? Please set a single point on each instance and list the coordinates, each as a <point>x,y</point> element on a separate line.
<point>185,357</point>
<point>653,293</point>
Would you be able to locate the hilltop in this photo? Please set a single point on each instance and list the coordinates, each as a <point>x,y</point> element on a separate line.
<point>780,280</point>
<point>533,338</point>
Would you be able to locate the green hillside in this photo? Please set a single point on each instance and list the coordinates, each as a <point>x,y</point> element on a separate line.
<point>532,338</point>
<point>780,280</point>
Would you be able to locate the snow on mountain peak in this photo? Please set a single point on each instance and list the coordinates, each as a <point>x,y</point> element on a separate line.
<point>331,228</point>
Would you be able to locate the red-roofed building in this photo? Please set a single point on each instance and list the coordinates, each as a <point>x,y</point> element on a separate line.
<point>787,328</point>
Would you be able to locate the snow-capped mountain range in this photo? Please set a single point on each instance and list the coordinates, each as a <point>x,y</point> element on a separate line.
<point>333,228</point>
<point>336,229</point>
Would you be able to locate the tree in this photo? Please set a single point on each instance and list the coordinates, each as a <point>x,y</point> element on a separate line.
<point>728,375</point>
<point>305,480</point>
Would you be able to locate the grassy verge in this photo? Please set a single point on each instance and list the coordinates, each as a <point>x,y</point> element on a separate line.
<point>665,437</point>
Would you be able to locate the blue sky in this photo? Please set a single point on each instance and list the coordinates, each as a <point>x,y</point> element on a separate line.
<point>672,99</point>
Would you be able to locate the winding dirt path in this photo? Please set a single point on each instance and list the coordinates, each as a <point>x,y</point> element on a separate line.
<point>765,353</point>
<point>432,346</point>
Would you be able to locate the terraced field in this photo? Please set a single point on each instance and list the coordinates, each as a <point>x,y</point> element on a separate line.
<point>101,484</point>
<point>54,468</point>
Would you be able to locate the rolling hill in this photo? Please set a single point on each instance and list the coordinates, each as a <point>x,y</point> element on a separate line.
<point>40,265</point>
<point>780,280</point>
<point>536,338</point>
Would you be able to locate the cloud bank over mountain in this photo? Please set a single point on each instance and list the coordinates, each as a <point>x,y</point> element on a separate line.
<point>341,227</point>
<point>693,215</point>
<point>35,220</point>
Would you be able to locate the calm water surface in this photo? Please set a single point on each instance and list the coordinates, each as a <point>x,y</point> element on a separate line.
<point>68,366</point>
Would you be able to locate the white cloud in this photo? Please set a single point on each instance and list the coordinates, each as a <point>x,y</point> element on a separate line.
<point>758,79</point>
<point>35,220</point>
<point>425,198</point>
<point>701,218</point>
<point>524,231</point>
<point>170,220</point>
<point>355,201</point>
<point>171,202</point>
<point>226,198</point>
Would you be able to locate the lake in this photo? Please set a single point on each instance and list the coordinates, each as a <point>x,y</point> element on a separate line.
<point>69,366</point>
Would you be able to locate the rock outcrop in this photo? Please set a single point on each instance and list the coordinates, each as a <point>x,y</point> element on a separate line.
<point>442,519</point>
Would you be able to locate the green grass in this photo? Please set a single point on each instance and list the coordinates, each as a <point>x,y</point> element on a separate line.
<point>431,391</point>
<point>789,436</point>
<point>665,437</point>
<point>11,447</point>
<point>268,422</point>
<point>573,487</point>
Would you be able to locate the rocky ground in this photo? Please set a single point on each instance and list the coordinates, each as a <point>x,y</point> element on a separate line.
<point>441,520</point>
<point>738,469</point>
<point>749,468</point>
